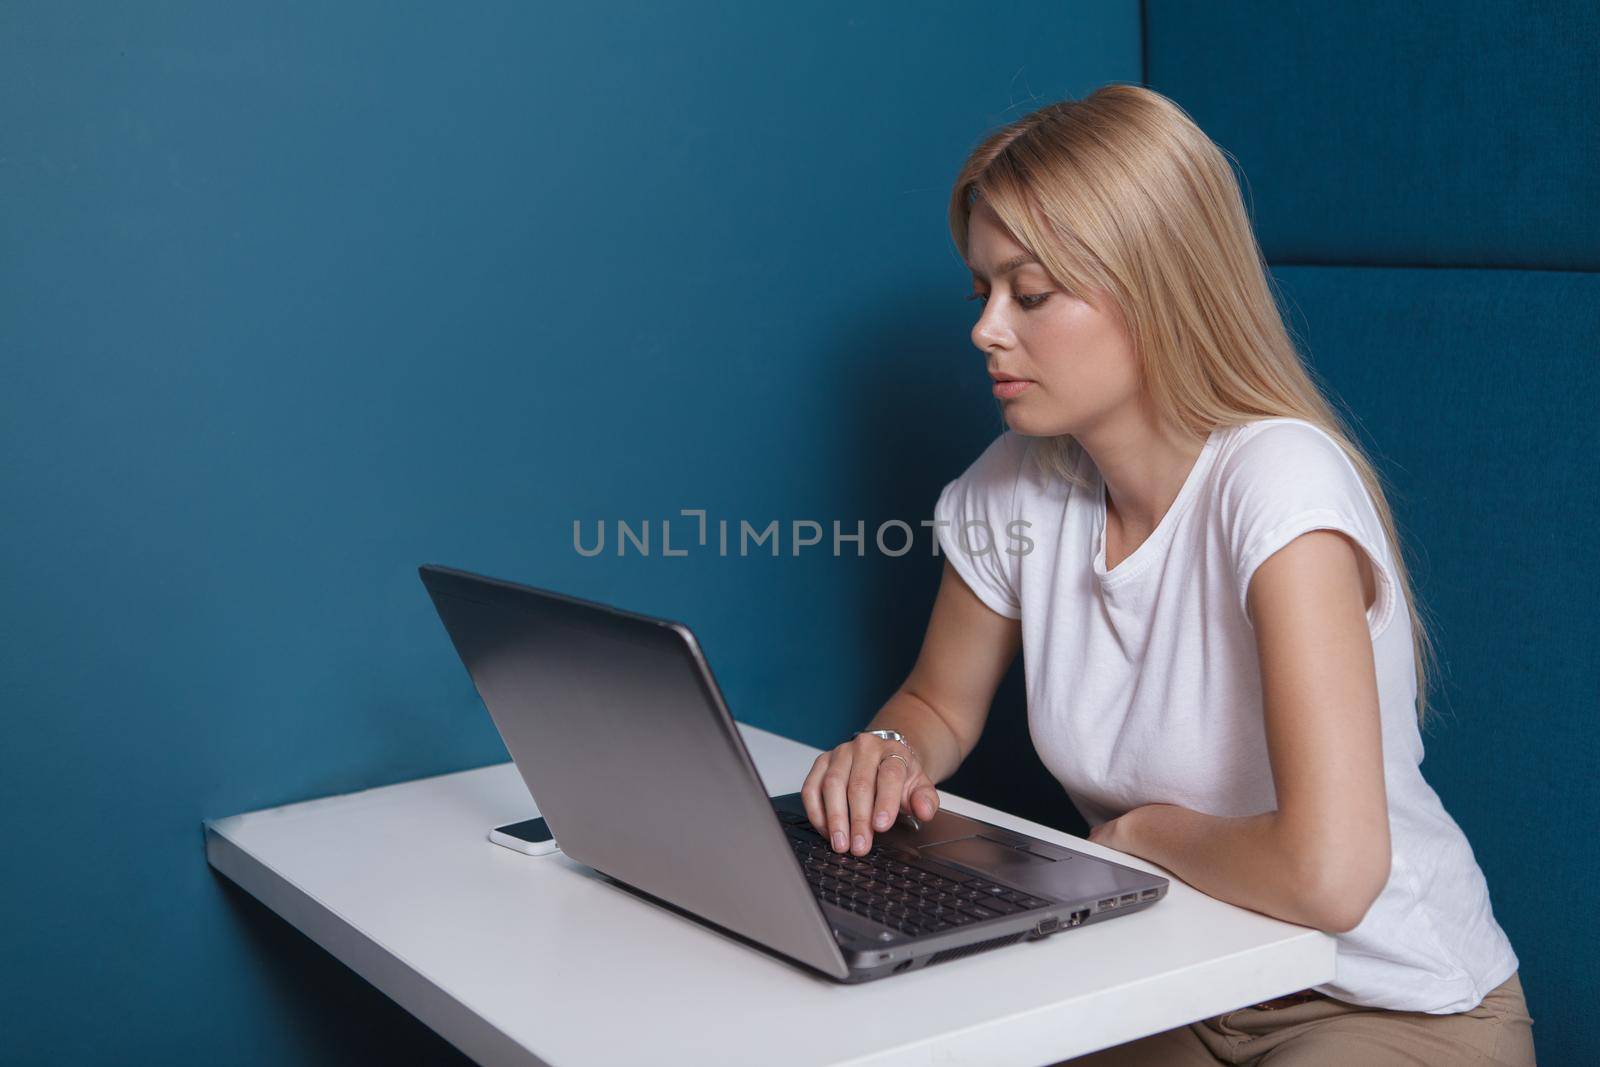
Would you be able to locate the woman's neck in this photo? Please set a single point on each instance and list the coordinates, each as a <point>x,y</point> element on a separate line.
<point>1144,463</point>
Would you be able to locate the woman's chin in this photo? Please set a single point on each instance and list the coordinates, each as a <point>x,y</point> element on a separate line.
<point>1030,423</point>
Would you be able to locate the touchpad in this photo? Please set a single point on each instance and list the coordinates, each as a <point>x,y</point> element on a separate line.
<point>984,855</point>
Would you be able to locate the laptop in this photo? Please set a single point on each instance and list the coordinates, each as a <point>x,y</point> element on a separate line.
<point>622,737</point>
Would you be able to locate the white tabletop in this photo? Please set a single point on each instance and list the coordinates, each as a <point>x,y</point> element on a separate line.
<point>539,960</point>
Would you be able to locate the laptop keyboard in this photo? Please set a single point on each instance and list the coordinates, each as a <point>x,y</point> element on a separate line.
<point>884,887</point>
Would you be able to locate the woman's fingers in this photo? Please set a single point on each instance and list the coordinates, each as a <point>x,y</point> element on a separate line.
<point>811,794</point>
<point>923,801</point>
<point>863,793</point>
<point>891,787</point>
<point>836,807</point>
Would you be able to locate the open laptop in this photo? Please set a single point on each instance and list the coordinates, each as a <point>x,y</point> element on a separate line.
<point>620,732</point>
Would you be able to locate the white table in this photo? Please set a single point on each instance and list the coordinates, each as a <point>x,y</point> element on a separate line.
<point>539,960</point>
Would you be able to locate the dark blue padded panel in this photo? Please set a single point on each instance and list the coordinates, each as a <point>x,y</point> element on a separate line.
<point>1439,133</point>
<point>1477,390</point>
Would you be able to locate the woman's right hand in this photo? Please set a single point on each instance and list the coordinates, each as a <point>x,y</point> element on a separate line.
<point>856,788</point>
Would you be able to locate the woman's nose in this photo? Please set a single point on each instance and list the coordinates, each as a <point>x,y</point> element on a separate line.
<point>989,332</point>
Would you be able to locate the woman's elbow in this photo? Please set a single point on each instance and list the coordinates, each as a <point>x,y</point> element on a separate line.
<point>1341,889</point>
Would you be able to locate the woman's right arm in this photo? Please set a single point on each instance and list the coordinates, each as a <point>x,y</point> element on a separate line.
<point>940,709</point>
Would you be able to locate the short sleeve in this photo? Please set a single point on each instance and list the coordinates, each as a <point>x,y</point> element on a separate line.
<point>1287,478</point>
<point>972,521</point>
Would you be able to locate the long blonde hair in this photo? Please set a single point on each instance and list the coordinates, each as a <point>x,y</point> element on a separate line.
<point>1121,193</point>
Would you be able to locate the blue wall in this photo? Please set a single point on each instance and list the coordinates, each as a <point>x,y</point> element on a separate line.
<point>298,297</point>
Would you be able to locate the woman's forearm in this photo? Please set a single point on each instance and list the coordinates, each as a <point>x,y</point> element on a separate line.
<point>1257,861</point>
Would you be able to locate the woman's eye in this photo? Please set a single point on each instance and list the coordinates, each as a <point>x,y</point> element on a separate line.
<point>1024,299</point>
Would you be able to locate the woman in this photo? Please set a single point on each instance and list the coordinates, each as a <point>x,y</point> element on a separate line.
<point>1221,648</point>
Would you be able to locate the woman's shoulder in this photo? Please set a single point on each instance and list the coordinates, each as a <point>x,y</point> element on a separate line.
<point>1278,478</point>
<point>1003,454</point>
<point>1019,466</point>
<point>1276,444</point>
<point>1277,470</point>
<point>993,473</point>
<point>1288,460</point>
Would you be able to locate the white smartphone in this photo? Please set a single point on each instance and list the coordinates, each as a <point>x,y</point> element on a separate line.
<point>531,836</point>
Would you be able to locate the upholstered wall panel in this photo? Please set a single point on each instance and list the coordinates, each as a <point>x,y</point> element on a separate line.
<point>1431,133</point>
<point>1475,390</point>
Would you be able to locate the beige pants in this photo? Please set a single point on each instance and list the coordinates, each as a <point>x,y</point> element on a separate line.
<point>1330,1033</point>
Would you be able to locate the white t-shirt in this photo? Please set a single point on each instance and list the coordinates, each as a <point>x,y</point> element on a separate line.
<point>1144,686</point>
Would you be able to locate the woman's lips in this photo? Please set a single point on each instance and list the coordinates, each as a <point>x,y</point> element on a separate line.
<point>1008,389</point>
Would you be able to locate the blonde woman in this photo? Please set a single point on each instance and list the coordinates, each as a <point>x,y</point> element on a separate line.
<point>1221,648</point>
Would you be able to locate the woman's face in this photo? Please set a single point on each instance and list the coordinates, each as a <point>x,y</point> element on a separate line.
<point>1073,361</point>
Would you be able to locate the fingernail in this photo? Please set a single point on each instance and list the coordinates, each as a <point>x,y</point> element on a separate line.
<point>882,821</point>
<point>861,842</point>
<point>838,840</point>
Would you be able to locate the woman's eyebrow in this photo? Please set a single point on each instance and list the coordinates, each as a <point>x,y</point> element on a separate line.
<point>1008,266</point>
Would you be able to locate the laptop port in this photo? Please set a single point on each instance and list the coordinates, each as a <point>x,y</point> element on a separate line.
<point>1148,894</point>
<point>902,965</point>
<point>1077,917</point>
<point>1109,902</point>
<point>1047,926</point>
<point>1128,898</point>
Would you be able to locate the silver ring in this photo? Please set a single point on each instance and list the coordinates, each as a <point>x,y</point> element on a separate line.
<point>902,759</point>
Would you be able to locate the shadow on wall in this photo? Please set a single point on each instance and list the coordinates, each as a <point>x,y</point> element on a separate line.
<point>323,997</point>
